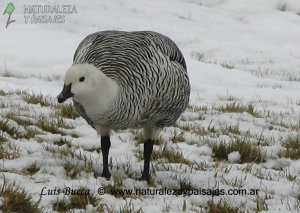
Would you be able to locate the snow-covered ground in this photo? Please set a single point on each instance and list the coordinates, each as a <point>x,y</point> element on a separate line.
<point>238,52</point>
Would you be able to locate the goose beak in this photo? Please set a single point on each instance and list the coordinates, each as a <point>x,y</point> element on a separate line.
<point>65,93</point>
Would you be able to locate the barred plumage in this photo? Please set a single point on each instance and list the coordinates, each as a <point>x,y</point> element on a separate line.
<point>151,72</point>
<point>128,80</point>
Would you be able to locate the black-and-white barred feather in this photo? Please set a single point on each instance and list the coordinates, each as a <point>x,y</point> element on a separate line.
<point>151,73</point>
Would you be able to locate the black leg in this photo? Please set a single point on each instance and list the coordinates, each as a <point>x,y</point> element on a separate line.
<point>148,147</point>
<point>105,145</point>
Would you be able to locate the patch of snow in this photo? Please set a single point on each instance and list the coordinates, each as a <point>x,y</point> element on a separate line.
<point>234,157</point>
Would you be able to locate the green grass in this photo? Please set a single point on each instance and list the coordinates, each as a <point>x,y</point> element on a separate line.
<point>236,107</point>
<point>25,122</point>
<point>3,93</point>
<point>16,200</point>
<point>2,139</point>
<point>228,98</point>
<point>177,136</point>
<point>61,205</point>
<point>7,151</point>
<point>248,151</point>
<point>9,129</point>
<point>63,110</point>
<point>129,208</point>
<point>78,201</point>
<point>201,131</point>
<point>165,154</point>
<point>184,184</point>
<point>8,74</point>
<point>233,129</point>
<point>282,7</point>
<point>139,138</point>
<point>52,125</point>
<point>32,169</point>
<point>197,108</point>
<point>261,204</point>
<point>67,111</point>
<point>286,125</point>
<point>94,149</point>
<point>74,168</point>
<point>222,207</point>
<point>2,104</point>
<point>14,131</point>
<point>30,133</point>
<point>79,164</point>
<point>227,65</point>
<point>199,56</point>
<point>292,145</point>
<point>15,116</point>
<point>36,99</point>
<point>172,156</point>
<point>62,141</point>
<point>114,187</point>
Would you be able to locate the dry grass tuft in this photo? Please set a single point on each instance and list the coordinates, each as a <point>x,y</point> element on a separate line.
<point>16,200</point>
<point>292,145</point>
<point>248,151</point>
<point>238,108</point>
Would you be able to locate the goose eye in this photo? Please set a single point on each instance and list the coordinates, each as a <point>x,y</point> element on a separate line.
<point>81,79</point>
